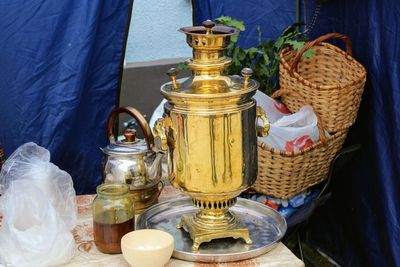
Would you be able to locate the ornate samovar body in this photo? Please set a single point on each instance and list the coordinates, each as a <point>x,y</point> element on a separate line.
<point>209,130</point>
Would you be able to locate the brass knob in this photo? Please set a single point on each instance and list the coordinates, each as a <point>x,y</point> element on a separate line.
<point>172,73</point>
<point>130,136</point>
<point>262,131</point>
<point>160,133</point>
<point>208,24</point>
<point>246,73</point>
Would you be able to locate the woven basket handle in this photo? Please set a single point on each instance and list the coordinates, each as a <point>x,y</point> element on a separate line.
<point>283,92</point>
<point>335,35</point>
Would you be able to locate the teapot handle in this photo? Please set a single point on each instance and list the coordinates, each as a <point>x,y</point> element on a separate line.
<point>148,136</point>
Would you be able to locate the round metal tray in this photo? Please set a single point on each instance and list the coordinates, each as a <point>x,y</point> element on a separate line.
<point>266,227</point>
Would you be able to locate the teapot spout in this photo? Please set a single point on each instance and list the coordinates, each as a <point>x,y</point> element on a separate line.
<point>154,167</point>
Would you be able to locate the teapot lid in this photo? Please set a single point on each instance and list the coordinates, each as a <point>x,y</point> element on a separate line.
<point>128,146</point>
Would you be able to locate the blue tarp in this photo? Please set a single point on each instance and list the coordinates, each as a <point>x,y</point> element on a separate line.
<point>360,225</point>
<point>60,69</point>
<point>272,16</point>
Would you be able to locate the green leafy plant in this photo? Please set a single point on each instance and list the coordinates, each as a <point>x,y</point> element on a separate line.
<point>262,58</point>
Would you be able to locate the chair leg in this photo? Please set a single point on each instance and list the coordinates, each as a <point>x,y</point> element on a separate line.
<point>300,246</point>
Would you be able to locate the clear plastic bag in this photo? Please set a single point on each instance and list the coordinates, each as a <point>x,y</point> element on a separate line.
<point>39,210</point>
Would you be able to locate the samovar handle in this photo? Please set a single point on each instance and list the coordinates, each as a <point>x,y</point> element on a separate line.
<point>160,133</point>
<point>148,136</point>
<point>262,131</point>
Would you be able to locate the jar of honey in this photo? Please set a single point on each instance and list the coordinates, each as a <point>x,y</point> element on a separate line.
<point>113,216</point>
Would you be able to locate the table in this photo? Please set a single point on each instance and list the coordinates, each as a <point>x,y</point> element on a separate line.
<point>88,255</point>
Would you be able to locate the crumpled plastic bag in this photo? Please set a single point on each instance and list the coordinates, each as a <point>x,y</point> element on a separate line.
<point>157,114</point>
<point>39,210</point>
<point>288,132</point>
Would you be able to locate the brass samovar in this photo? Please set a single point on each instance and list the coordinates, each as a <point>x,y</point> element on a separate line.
<point>209,132</point>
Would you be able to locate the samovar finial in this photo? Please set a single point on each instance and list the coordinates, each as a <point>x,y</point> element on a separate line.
<point>208,24</point>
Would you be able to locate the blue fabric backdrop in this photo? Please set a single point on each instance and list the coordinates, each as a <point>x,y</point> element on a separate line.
<point>60,69</point>
<point>360,226</point>
<point>272,16</point>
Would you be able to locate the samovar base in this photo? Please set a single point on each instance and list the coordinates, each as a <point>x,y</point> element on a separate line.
<point>208,225</point>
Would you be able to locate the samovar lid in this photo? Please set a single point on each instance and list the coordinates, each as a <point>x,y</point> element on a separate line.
<point>208,67</point>
<point>209,27</point>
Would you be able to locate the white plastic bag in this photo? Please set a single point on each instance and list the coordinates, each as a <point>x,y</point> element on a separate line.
<point>288,132</point>
<point>158,113</point>
<point>293,132</point>
<point>38,208</point>
<point>273,109</point>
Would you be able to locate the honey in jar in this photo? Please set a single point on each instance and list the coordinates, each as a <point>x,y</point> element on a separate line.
<point>113,216</point>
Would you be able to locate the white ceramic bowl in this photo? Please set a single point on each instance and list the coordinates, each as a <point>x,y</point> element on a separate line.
<point>147,248</point>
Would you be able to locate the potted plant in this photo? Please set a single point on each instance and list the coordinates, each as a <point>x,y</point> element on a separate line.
<point>263,58</point>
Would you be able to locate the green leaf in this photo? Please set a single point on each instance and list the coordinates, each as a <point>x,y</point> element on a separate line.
<point>279,42</point>
<point>252,52</point>
<point>269,44</point>
<point>182,66</point>
<point>266,58</point>
<point>298,45</point>
<point>292,30</point>
<point>231,22</point>
<point>264,70</point>
<point>234,38</point>
<point>235,53</point>
<point>241,54</point>
<point>308,54</point>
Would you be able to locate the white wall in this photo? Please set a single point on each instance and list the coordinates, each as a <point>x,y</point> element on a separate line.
<point>153,31</point>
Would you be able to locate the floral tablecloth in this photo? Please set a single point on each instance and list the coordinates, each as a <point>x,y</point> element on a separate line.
<point>88,255</point>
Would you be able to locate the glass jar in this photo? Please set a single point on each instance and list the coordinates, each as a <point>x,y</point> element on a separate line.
<point>113,216</point>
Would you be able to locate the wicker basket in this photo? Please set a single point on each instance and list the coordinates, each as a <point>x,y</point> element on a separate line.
<point>331,79</point>
<point>284,174</point>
